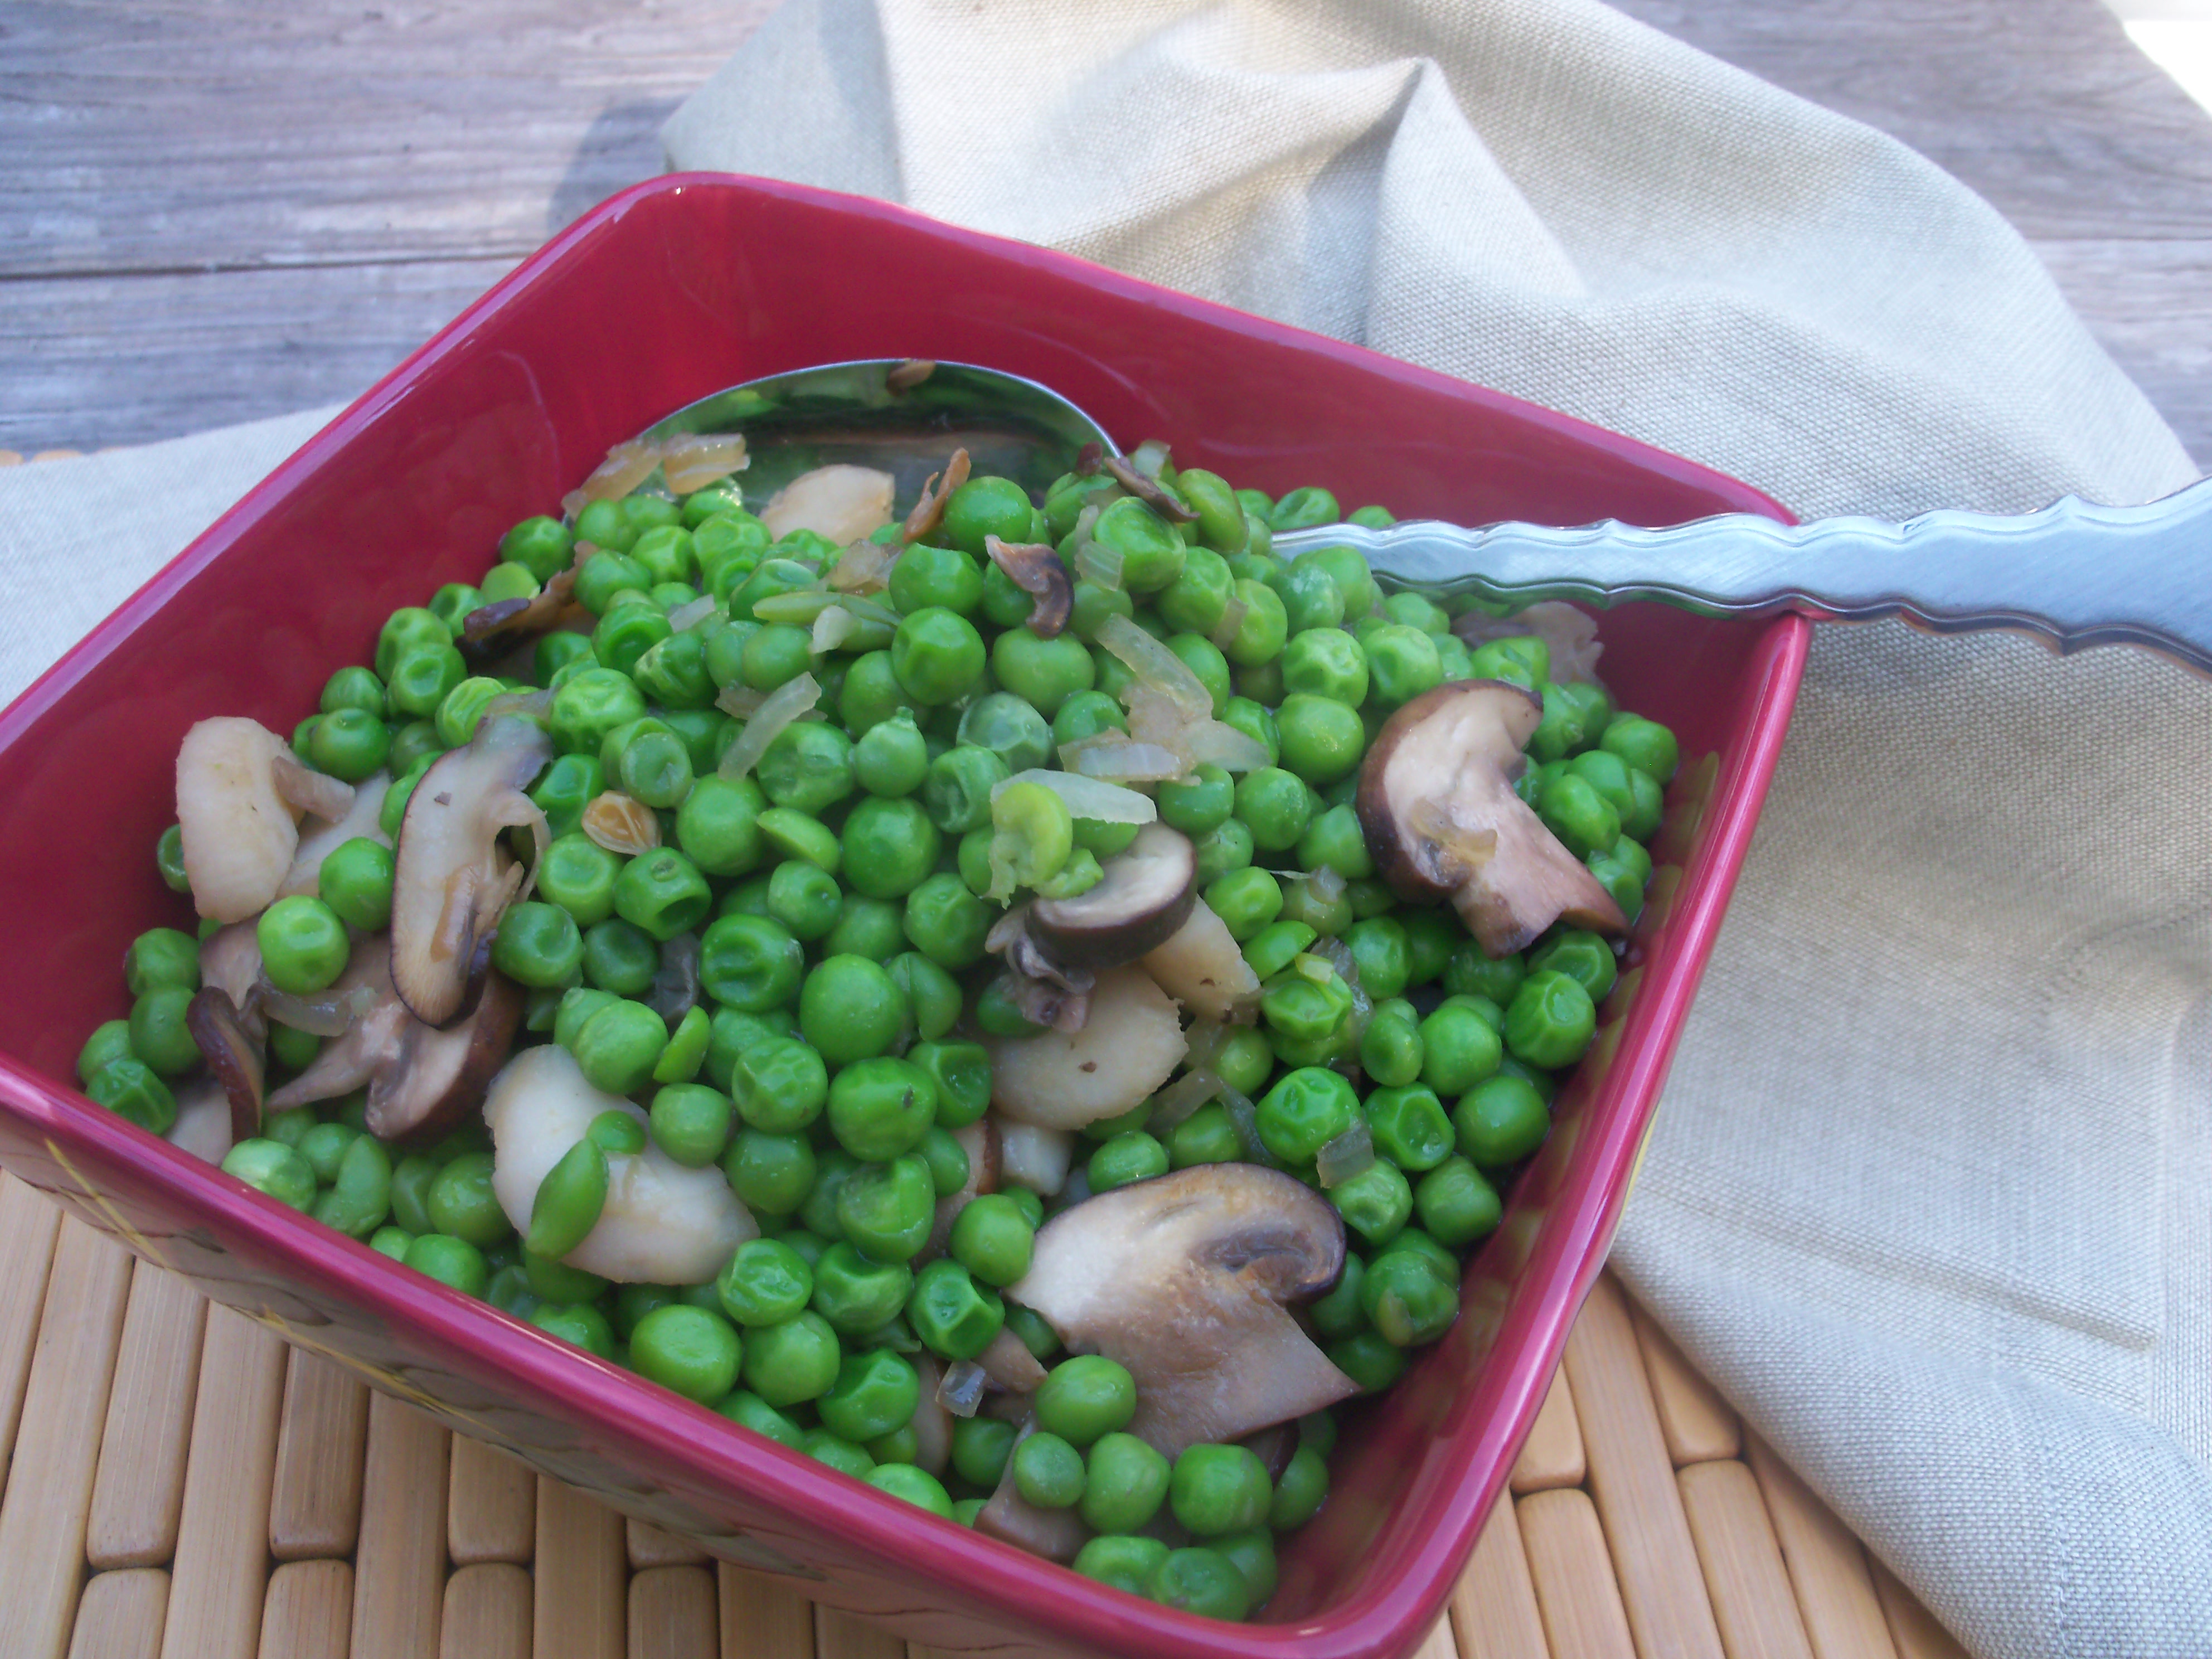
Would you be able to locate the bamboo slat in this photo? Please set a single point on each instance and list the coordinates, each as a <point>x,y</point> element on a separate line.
<point>671,1613</point>
<point>49,1496</point>
<point>1438,1643</point>
<point>1632,1482</point>
<point>1553,1454</point>
<point>27,1224</point>
<point>1494,1607</point>
<point>841,1635</point>
<point>1694,1418</point>
<point>400,1589</point>
<point>578,1612</point>
<point>491,1512</point>
<point>120,1613</point>
<point>140,1492</point>
<point>308,1611</point>
<point>761,1619</point>
<point>315,1508</point>
<point>487,1613</point>
<point>1573,1576</point>
<point>1744,1575</point>
<point>649,1547</point>
<point>1828,1571</point>
<point>1916,1632</point>
<point>220,1573</point>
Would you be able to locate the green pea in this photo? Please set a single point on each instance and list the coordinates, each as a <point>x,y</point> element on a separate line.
<point>1458,1048</point>
<point>303,944</point>
<point>946,922</point>
<point>1247,900</point>
<point>875,1393</point>
<point>539,945</point>
<point>1084,1398</point>
<point>886,1209</point>
<point>850,1010</point>
<point>980,1449</point>
<point>1550,1021</point>
<point>993,1239</point>
<point>162,958</point>
<point>159,1035</point>
<point>772,1174</point>
<point>349,744</point>
<point>1127,1563</point>
<point>453,1263</point>
<point>691,1123</point>
<point>268,1166</point>
<point>110,1041</point>
<point>1221,849</point>
<point>1374,1203</point>
<point>960,1072</point>
<point>392,1241</point>
<point>1457,1204</point>
<point>856,1294</point>
<point>953,1315</point>
<point>1408,1304</point>
<point>1304,1112</point>
<point>1584,957</point>
<point>1129,1157</point>
<point>748,1410</point>
<point>765,1283</point>
<point>618,1046</point>
<point>1216,1489</point>
<point>461,1202</point>
<point>695,1352</point>
<point>1645,745</point>
<point>879,1109</point>
<point>750,962</point>
<point>1409,1125</point>
<point>937,654</point>
<point>1274,805</point>
<point>1207,1136</point>
<point>889,846</point>
<point>1048,1471</point>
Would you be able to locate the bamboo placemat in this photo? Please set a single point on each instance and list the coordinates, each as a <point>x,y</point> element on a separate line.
<point>181,1484</point>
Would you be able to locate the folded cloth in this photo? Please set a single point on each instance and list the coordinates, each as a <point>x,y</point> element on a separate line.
<point>1930,1193</point>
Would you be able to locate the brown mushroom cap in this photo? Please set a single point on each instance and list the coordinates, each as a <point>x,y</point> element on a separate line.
<point>1183,1279</point>
<point>421,1081</point>
<point>1143,897</point>
<point>1437,806</point>
<point>232,1055</point>
<point>451,877</point>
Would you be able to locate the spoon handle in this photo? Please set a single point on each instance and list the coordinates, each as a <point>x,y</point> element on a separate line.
<point>2076,574</point>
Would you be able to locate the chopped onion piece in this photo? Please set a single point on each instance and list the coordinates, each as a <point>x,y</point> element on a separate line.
<point>1183,1097</point>
<point>1567,633</point>
<point>1350,1154</point>
<point>1155,666</point>
<point>299,786</point>
<point>692,460</point>
<point>325,1016</point>
<point>1149,458</point>
<point>627,466</point>
<point>740,702</point>
<point>535,703</point>
<point>798,605</point>
<point>674,989</point>
<point>1246,1117</point>
<point>1338,955</point>
<point>1087,796</point>
<point>1232,619</point>
<point>1098,564</point>
<point>692,613</point>
<point>1108,759</point>
<point>863,567</point>
<point>833,626</point>
<point>960,1390</point>
<point>1325,883</point>
<point>1214,742</point>
<point>1203,1042</point>
<point>1154,717</point>
<point>622,824</point>
<point>784,705</point>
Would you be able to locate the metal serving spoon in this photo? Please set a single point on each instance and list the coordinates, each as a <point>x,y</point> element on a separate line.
<point>2076,573</point>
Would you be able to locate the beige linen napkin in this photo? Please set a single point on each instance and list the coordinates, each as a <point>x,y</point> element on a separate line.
<point>1930,1194</point>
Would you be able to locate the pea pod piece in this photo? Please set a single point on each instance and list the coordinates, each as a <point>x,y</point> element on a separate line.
<point>569,1202</point>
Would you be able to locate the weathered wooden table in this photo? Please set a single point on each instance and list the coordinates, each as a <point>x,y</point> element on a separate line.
<point>218,209</point>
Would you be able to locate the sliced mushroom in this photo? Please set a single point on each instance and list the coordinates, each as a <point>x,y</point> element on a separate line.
<point>230,961</point>
<point>980,1141</point>
<point>1441,818</point>
<point>240,832</point>
<point>1036,568</point>
<point>929,512</point>
<point>451,877</point>
<point>493,631</point>
<point>1008,1361</point>
<point>844,503</point>
<point>1202,967</point>
<point>931,1423</point>
<point>1184,1280</point>
<point>203,1121</point>
<point>421,1081</point>
<point>1129,1045</point>
<point>232,1055</point>
<point>1273,1448</point>
<point>1056,1534</point>
<point>662,1224</point>
<point>1034,1157</point>
<point>1150,491</point>
<point>1145,896</point>
<point>360,821</point>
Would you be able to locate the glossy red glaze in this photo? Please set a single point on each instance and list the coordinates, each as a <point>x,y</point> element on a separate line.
<point>666,293</point>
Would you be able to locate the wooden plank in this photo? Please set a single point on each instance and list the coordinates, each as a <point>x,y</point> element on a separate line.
<point>761,1618</point>
<point>1573,1578</point>
<point>841,1635</point>
<point>651,1546</point>
<point>1632,1483</point>
<point>487,1613</point>
<point>1744,1575</point>
<point>314,1509</point>
<point>1493,1606</point>
<point>1696,1421</point>
<point>42,1518</point>
<point>222,1569</point>
<point>671,1613</point>
<point>400,1587</point>
<point>1916,1633</point>
<point>140,1493</point>
<point>578,1609</point>
<point>120,1615</point>
<point>1439,1643</point>
<point>29,1220</point>
<point>1828,1568</point>
<point>491,1512</point>
<point>309,1611</point>
<point>1553,1454</point>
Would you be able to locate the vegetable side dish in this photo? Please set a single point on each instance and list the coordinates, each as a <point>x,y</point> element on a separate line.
<point>1027,1003</point>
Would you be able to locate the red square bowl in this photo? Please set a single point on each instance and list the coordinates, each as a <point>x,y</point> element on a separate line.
<point>666,293</point>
